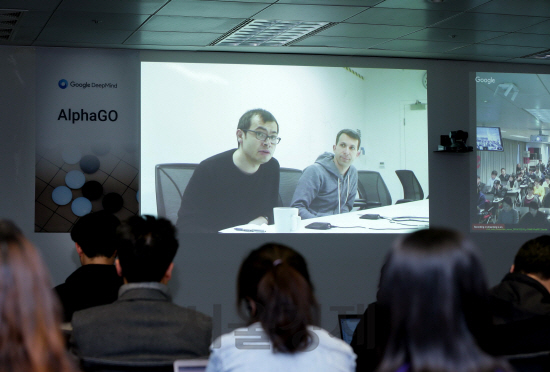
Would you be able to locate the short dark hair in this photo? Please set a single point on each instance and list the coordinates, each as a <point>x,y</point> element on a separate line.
<point>146,248</point>
<point>503,169</point>
<point>246,118</point>
<point>534,205</point>
<point>95,233</point>
<point>496,182</point>
<point>350,133</point>
<point>276,278</point>
<point>534,257</point>
<point>508,201</point>
<point>494,172</point>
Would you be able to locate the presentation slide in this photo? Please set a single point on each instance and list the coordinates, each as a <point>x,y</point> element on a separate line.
<point>513,180</point>
<point>190,113</point>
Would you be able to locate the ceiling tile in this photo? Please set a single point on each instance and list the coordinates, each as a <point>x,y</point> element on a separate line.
<point>537,41</point>
<point>489,22</point>
<point>452,35</point>
<point>291,12</point>
<point>418,46</point>
<point>540,8</point>
<point>172,38</point>
<point>190,24</point>
<point>449,5</point>
<point>542,28</point>
<point>84,36</point>
<point>30,4</point>
<point>401,17</point>
<point>341,42</point>
<point>96,21</point>
<point>111,6</point>
<point>495,50</point>
<point>362,30</point>
<point>220,9</point>
<point>331,2</point>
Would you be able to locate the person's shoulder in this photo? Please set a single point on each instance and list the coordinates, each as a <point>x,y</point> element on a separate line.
<point>328,341</point>
<point>218,158</point>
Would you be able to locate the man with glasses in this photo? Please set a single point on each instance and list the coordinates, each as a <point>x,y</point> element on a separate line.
<point>238,186</point>
<point>329,186</point>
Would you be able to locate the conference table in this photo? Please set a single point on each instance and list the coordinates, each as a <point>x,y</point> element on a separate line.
<point>397,218</point>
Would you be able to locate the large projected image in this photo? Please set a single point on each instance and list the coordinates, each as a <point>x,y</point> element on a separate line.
<point>326,149</point>
<point>512,114</point>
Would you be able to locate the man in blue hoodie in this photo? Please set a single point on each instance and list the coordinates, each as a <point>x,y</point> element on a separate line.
<point>329,186</point>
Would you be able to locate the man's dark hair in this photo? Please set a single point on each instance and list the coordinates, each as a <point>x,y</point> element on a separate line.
<point>534,257</point>
<point>494,173</point>
<point>508,201</point>
<point>147,246</point>
<point>496,182</point>
<point>95,233</point>
<point>534,205</point>
<point>245,120</point>
<point>503,169</point>
<point>350,133</point>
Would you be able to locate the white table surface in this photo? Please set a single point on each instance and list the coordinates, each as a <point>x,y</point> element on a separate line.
<point>355,225</point>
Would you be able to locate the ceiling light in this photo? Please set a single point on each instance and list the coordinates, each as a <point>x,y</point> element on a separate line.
<point>261,32</point>
<point>541,55</point>
<point>515,135</point>
<point>540,114</point>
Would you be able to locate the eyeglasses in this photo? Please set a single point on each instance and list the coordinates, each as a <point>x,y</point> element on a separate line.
<point>261,136</point>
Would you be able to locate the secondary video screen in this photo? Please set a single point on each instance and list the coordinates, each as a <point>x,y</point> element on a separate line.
<point>284,170</point>
<point>512,191</point>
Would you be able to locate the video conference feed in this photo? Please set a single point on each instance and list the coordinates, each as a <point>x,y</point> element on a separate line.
<point>488,139</point>
<point>190,113</point>
<point>512,191</point>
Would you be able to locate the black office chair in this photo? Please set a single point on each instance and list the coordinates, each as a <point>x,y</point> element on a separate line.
<point>107,365</point>
<point>287,185</point>
<point>411,187</point>
<point>372,189</point>
<point>170,183</point>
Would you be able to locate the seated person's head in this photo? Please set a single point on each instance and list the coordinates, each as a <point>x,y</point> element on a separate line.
<point>30,329</point>
<point>529,190</point>
<point>434,287</point>
<point>146,248</point>
<point>273,284</point>
<point>494,174</point>
<point>534,258</point>
<point>537,182</point>
<point>95,236</point>
<point>496,184</point>
<point>533,208</point>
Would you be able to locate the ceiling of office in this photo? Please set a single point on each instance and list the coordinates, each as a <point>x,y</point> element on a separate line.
<point>477,30</point>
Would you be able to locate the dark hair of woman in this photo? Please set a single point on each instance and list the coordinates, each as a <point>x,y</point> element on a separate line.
<point>434,287</point>
<point>273,284</point>
<point>30,318</point>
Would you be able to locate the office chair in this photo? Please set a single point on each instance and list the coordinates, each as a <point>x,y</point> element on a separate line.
<point>287,185</point>
<point>372,189</point>
<point>411,187</point>
<point>170,183</point>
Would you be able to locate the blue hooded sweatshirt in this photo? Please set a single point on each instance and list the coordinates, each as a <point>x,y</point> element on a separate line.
<point>323,191</point>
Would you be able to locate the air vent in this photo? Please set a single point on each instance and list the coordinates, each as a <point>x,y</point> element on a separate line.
<point>259,32</point>
<point>9,19</point>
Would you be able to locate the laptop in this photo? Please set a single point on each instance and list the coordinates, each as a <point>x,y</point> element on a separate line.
<point>190,365</point>
<point>347,324</point>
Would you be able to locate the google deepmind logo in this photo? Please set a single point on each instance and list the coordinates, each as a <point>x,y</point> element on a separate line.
<point>63,83</point>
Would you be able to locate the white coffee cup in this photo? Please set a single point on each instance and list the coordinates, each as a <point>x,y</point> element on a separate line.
<point>286,219</point>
